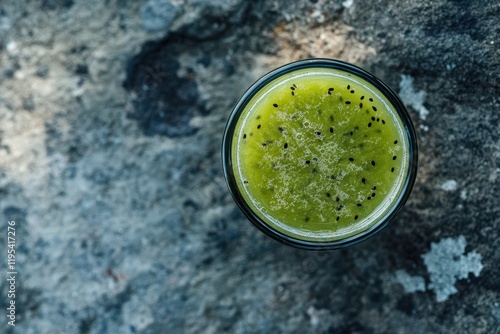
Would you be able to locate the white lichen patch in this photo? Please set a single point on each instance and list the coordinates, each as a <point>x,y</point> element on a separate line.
<point>319,317</point>
<point>410,283</point>
<point>412,98</point>
<point>347,3</point>
<point>449,185</point>
<point>446,263</point>
<point>463,195</point>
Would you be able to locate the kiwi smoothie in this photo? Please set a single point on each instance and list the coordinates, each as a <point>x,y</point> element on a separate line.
<point>319,154</point>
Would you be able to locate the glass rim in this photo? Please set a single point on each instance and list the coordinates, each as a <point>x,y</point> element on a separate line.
<point>395,207</point>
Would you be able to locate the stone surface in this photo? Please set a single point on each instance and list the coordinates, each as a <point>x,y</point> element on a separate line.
<point>111,120</point>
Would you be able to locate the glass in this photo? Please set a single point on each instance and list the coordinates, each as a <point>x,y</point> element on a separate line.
<point>308,148</point>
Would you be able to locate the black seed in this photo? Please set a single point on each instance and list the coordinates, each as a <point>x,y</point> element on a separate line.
<point>351,159</point>
<point>331,129</point>
<point>286,145</point>
<point>315,159</point>
<point>264,144</point>
<point>369,198</point>
<point>383,122</point>
<point>293,93</point>
<point>306,219</point>
<point>361,105</point>
<point>308,162</point>
<point>339,207</point>
<point>374,109</point>
<point>328,195</point>
<point>280,129</point>
<point>318,133</point>
<point>363,180</point>
<point>378,119</point>
<point>246,182</point>
<point>337,218</point>
<point>347,102</point>
<point>348,86</point>
<point>330,89</point>
<point>370,124</point>
<point>374,188</point>
<point>373,163</point>
<point>292,88</point>
<point>332,177</point>
<point>351,133</point>
<point>329,93</point>
<point>394,157</point>
<point>356,217</point>
<point>359,204</point>
<point>392,170</point>
<point>275,105</point>
<point>373,118</point>
<point>258,126</point>
<point>371,100</point>
<point>395,142</point>
<point>362,97</point>
<point>244,135</point>
<point>331,118</point>
<point>373,194</point>
<point>337,199</point>
<point>294,85</point>
<point>352,91</point>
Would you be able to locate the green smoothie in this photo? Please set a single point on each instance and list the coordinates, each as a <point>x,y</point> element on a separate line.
<point>320,154</point>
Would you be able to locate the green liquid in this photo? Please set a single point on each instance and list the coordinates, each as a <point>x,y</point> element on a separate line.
<point>320,154</point>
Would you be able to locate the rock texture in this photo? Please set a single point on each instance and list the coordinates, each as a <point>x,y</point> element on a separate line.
<point>111,119</point>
